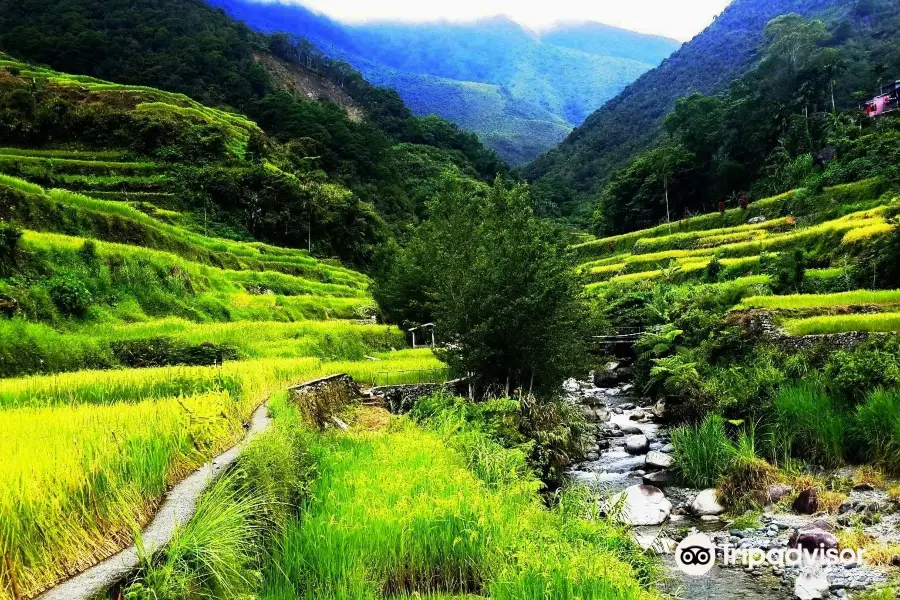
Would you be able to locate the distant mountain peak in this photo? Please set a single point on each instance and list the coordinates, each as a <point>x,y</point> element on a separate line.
<point>520,90</point>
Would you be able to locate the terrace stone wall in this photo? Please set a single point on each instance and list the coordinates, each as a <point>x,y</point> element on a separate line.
<point>401,398</point>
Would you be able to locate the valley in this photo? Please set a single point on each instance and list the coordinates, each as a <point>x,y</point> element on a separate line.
<point>269,331</point>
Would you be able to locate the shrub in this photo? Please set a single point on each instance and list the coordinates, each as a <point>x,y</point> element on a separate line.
<point>878,429</point>
<point>808,424</point>
<point>851,374</point>
<point>703,452</point>
<point>70,294</point>
<point>785,269</point>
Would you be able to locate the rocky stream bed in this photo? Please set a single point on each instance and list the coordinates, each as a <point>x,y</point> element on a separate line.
<point>632,466</point>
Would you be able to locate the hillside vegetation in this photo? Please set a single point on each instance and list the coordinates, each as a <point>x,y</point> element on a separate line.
<point>758,109</point>
<point>378,159</point>
<point>129,327</point>
<point>783,314</point>
<point>520,91</point>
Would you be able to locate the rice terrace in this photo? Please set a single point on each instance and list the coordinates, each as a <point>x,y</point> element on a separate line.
<point>271,331</point>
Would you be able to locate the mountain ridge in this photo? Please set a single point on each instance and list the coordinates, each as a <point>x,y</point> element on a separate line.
<point>574,172</point>
<point>554,85</point>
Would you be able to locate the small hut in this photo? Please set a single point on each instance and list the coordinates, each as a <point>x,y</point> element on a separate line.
<point>422,336</point>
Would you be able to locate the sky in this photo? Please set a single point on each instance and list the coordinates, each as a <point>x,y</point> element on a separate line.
<point>679,19</point>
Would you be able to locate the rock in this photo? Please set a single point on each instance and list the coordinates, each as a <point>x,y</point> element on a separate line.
<point>593,414</point>
<point>618,410</point>
<point>811,584</point>
<point>659,409</point>
<point>571,386</point>
<point>777,491</point>
<point>756,220</point>
<point>627,406</point>
<point>668,449</point>
<point>626,388</point>
<point>641,505</point>
<point>659,478</point>
<point>812,538</point>
<point>863,487</point>
<point>631,429</point>
<point>638,415</point>
<point>807,503</point>
<point>706,503</point>
<point>659,460</point>
<point>637,444</point>
<point>607,377</point>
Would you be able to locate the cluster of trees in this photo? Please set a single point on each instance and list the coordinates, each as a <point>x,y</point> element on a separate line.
<point>496,281</point>
<point>780,126</point>
<point>187,46</point>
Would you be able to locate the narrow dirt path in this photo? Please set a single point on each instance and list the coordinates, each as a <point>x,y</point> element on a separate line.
<point>176,510</point>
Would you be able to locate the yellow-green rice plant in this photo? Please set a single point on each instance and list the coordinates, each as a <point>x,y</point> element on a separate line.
<point>398,513</point>
<point>806,301</point>
<point>873,323</point>
<point>77,480</point>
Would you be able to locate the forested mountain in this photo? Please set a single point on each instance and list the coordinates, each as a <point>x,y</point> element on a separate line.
<point>791,121</point>
<point>368,142</point>
<point>520,91</point>
<point>572,175</point>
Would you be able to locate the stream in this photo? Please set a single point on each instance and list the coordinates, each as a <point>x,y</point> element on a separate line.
<point>620,418</point>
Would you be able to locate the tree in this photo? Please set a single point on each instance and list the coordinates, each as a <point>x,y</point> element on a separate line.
<point>495,282</point>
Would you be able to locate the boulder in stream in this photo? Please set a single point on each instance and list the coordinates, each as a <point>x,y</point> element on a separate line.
<point>706,504</point>
<point>641,505</point>
<point>659,478</point>
<point>659,460</point>
<point>630,429</point>
<point>637,444</point>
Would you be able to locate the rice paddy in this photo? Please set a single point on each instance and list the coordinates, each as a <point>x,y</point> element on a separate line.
<point>832,227</point>
<point>807,301</point>
<point>138,348</point>
<point>396,512</point>
<point>871,323</point>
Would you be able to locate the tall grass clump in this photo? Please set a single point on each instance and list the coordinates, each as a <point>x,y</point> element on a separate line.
<point>220,552</point>
<point>878,429</point>
<point>809,424</point>
<point>213,555</point>
<point>702,452</point>
<point>748,477</point>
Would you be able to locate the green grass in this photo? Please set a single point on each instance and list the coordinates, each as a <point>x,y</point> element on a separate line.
<point>702,452</point>
<point>878,429</point>
<point>67,153</point>
<point>872,323</point>
<point>398,513</point>
<point>88,455</point>
<point>809,424</point>
<point>806,301</point>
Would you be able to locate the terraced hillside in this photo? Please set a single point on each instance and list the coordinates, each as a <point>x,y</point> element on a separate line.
<point>133,347</point>
<point>739,245</point>
<point>197,332</point>
<point>738,305</point>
